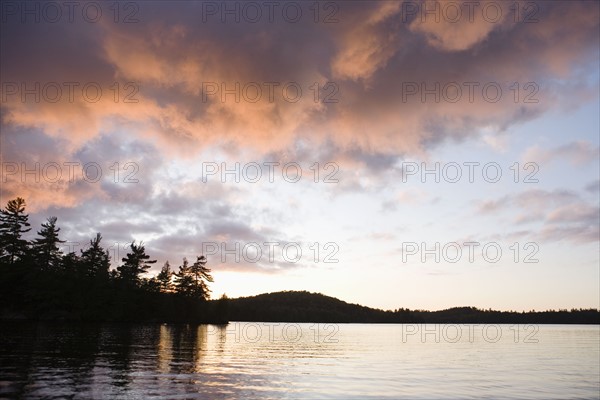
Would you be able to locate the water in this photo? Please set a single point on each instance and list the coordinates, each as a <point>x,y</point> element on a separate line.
<point>299,361</point>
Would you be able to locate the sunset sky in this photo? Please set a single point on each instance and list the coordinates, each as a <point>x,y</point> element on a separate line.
<point>155,96</point>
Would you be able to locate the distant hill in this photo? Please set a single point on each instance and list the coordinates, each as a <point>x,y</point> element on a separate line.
<point>301,306</point>
<point>295,306</point>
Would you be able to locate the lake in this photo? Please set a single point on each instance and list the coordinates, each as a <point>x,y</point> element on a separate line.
<point>299,361</point>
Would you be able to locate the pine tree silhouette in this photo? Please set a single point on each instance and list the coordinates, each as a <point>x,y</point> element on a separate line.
<point>13,223</point>
<point>135,264</point>
<point>45,248</point>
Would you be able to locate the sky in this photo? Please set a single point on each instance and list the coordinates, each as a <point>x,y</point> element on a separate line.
<point>412,154</point>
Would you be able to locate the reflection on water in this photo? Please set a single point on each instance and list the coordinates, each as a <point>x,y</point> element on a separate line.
<point>250,360</point>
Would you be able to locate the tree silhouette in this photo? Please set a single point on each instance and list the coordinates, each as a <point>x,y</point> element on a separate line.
<point>184,282</point>
<point>81,286</point>
<point>45,248</point>
<point>201,275</point>
<point>134,264</point>
<point>13,223</point>
<point>164,278</point>
<point>191,280</point>
<point>95,261</point>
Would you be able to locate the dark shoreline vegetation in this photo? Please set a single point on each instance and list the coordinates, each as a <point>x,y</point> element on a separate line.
<point>39,282</point>
<point>295,306</point>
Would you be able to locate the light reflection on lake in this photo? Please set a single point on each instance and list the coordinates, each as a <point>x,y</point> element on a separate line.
<point>291,361</point>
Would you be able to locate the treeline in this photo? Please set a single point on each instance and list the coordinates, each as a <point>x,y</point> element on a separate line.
<point>313,307</point>
<point>39,281</point>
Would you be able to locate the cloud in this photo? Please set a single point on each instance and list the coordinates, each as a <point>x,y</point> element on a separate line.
<point>227,230</point>
<point>368,45</point>
<point>577,222</point>
<point>542,199</point>
<point>368,57</point>
<point>491,206</point>
<point>578,153</point>
<point>551,215</point>
<point>578,213</point>
<point>581,233</point>
<point>593,187</point>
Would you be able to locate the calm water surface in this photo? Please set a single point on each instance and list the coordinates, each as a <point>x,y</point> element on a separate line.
<point>299,361</point>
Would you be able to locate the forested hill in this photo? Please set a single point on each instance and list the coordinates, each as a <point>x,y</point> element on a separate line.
<point>300,307</point>
<point>293,306</point>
